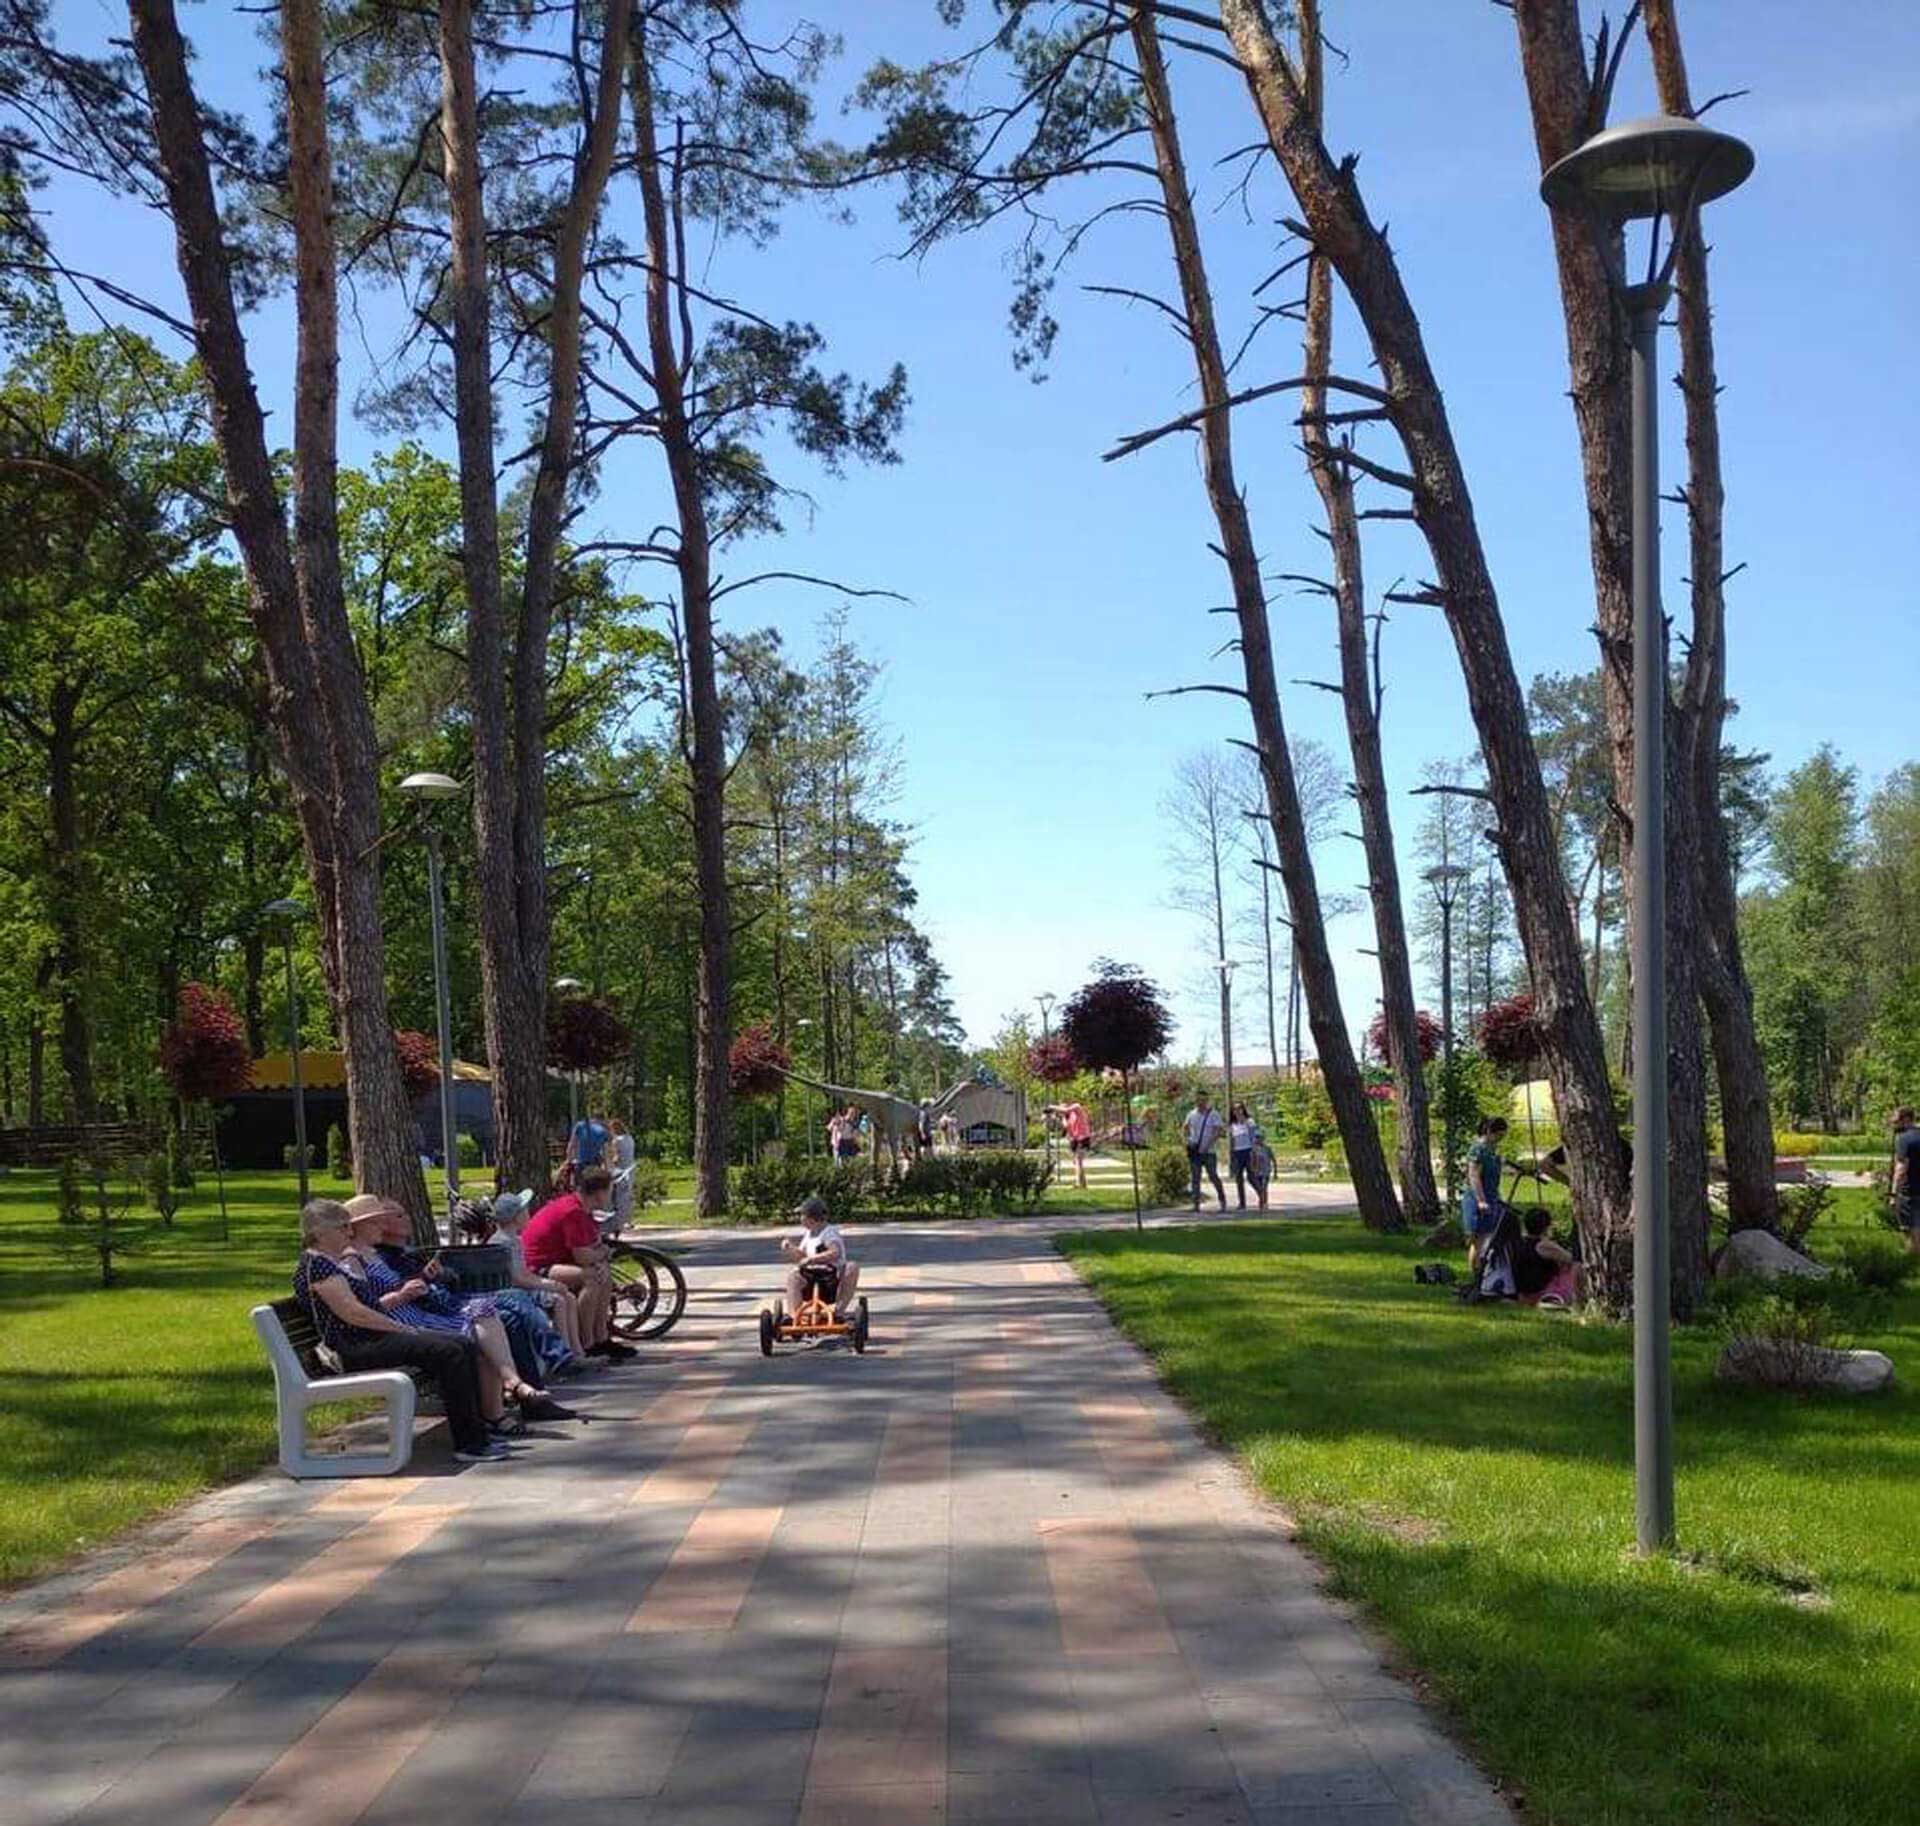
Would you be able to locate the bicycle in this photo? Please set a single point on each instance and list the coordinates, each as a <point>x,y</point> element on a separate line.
<point>649,1290</point>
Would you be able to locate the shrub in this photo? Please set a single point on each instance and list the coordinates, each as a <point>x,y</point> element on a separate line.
<point>204,1053</point>
<point>162,1195</point>
<point>339,1158</point>
<point>1428,1035</point>
<point>290,1155</point>
<point>67,1194</point>
<point>1783,1333</point>
<point>1789,1144</point>
<point>1165,1176</point>
<point>649,1182</point>
<point>1802,1207</point>
<point>968,1185</point>
<point>179,1160</point>
<point>466,1150</point>
<point>1051,1059</point>
<point>1510,1032</point>
<point>419,1059</point>
<point>768,1190</point>
<point>1878,1263</point>
<point>584,1033</point>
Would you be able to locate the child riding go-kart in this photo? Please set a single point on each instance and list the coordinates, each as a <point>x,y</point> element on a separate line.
<point>820,1301</point>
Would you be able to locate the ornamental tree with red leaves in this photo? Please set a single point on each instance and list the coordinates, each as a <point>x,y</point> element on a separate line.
<point>419,1061</point>
<point>1432,1036</point>
<point>1052,1060</point>
<point>584,1033</point>
<point>757,1063</point>
<point>1118,1022</point>
<point>1510,1031</point>
<point>204,1054</point>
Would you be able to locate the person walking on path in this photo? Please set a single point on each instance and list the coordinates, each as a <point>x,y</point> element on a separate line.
<point>1243,1136</point>
<point>1906,1175</point>
<point>1079,1139</point>
<point>620,1159</point>
<point>1202,1131</point>
<point>587,1145</point>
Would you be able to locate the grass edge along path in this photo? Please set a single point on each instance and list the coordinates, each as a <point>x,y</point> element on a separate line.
<point>1465,1475</point>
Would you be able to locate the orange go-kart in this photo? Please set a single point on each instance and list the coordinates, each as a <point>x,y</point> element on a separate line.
<point>814,1320</point>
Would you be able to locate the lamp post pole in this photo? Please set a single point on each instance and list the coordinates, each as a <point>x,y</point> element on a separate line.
<point>1645,170</point>
<point>1226,966</point>
<point>571,985</point>
<point>1046,1037</point>
<point>1445,881</point>
<point>430,787</point>
<point>288,911</point>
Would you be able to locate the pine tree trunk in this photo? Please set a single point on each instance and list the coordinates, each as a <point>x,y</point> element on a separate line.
<point>1366,1159</point>
<point>703,736</point>
<point>1565,108</point>
<point>1414,1150</point>
<point>1746,1113</point>
<point>317,700</point>
<point>1336,217</point>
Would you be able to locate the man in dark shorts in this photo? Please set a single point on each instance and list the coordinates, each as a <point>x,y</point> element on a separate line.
<point>1906,1175</point>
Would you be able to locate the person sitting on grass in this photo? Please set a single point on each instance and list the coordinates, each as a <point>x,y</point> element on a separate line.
<point>331,1282</point>
<point>1544,1272</point>
<point>419,1301</point>
<point>1480,1199</point>
<point>818,1246</point>
<point>562,1242</point>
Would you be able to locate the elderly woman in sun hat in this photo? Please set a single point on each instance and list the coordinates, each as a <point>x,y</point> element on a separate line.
<point>330,1281</point>
<point>410,1290</point>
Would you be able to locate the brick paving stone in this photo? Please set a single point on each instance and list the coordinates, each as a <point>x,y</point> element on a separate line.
<point>987,1573</point>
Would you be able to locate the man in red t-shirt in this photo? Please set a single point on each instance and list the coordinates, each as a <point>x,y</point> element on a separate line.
<point>562,1239</point>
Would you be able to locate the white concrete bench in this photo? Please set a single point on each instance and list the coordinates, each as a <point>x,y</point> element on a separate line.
<point>298,1379</point>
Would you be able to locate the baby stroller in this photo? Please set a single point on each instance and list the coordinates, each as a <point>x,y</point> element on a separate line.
<point>1495,1281</point>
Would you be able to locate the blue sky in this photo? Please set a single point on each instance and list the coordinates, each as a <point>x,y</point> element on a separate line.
<point>1049,592</point>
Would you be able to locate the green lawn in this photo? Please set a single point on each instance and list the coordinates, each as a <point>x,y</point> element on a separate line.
<point>1465,1473</point>
<point>115,1403</point>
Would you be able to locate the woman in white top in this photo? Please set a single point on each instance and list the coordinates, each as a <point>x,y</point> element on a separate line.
<point>1243,1136</point>
<point>620,1160</point>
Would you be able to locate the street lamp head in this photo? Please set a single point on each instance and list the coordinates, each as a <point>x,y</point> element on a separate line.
<point>284,909</point>
<point>1445,875</point>
<point>431,786</point>
<point>568,985</point>
<point>1661,165</point>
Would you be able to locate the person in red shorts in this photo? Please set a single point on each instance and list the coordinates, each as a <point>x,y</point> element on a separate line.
<point>562,1241</point>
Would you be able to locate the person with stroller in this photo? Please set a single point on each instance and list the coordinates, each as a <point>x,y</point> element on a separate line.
<point>1202,1132</point>
<point>818,1253</point>
<point>1480,1200</point>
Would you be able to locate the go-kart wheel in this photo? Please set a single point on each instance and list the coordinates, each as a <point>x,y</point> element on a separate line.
<point>859,1333</point>
<point>766,1332</point>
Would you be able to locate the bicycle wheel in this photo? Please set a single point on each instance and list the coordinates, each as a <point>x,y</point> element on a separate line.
<point>636,1290</point>
<point>666,1301</point>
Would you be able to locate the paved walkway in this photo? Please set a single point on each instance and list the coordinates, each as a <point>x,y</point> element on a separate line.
<point>987,1573</point>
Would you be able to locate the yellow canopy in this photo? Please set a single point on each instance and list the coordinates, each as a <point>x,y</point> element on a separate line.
<point>1535,1100</point>
<point>325,1071</point>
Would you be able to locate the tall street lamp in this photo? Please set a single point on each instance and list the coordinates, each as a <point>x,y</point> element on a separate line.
<point>1226,967</point>
<point>1445,881</point>
<point>1046,1003</point>
<point>287,911</point>
<point>1646,170</point>
<point>430,789</point>
<point>806,1112</point>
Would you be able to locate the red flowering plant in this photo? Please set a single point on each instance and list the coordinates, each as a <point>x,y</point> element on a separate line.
<point>1431,1035</point>
<point>1510,1032</point>
<point>584,1033</point>
<point>204,1053</point>
<point>757,1063</point>
<point>1052,1060</point>
<point>1118,1022</point>
<point>419,1061</point>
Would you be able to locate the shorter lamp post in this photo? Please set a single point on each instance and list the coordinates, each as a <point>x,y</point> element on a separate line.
<point>1045,1003</point>
<point>1445,881</point>
<point>287,911</point>
<point>1226,967</point>
<point>806,1117</point>
<point>430,789</point>
<point>1647,170</point>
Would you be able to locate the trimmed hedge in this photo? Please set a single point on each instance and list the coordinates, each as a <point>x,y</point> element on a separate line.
<point>954,1185</point>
